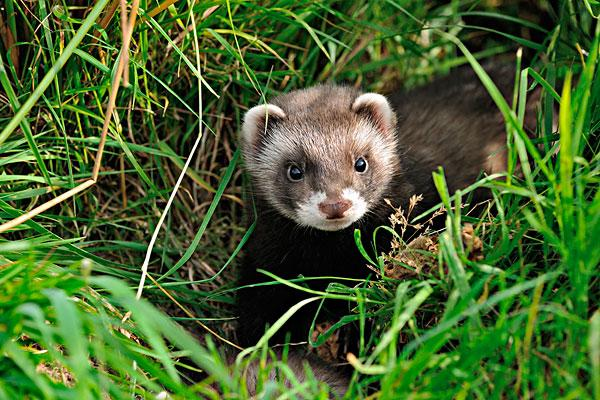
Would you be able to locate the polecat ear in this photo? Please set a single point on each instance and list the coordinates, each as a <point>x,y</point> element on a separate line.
<point>377,109</point>
<point>256,120</point>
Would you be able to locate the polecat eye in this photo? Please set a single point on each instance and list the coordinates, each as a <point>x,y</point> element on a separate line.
<point>360,165</point>
<point>295,173</point>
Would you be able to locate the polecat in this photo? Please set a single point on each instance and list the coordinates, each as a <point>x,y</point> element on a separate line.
<point>323,159</point>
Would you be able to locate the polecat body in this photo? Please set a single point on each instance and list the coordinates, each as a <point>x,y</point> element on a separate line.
<point>321,162</point>
<point>296,363</point>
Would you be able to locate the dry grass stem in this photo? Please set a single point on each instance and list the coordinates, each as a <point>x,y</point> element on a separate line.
<point>109,110</point>
<point>49,204</point>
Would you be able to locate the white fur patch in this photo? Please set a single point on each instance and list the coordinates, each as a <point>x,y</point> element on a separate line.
<point>359,205</point>
<point>309,214</point>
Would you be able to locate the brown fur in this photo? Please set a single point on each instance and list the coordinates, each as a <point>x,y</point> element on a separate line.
<point>324,136</point>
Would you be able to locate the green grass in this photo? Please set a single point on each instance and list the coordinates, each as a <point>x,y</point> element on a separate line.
<point>522,322</point>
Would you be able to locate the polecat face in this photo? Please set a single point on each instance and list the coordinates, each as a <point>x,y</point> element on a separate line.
<point>321,156</point>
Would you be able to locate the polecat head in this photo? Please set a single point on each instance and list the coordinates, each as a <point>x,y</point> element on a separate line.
<point>321,156</point>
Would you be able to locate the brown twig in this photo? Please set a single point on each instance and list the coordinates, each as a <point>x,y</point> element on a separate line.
<point>105,20</point>
<point>115,89</point>
<point>125,33</point>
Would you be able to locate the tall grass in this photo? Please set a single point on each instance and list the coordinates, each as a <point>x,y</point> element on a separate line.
<point>519,321</point>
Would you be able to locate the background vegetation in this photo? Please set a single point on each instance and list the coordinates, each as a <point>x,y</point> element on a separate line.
<point>512,316</point>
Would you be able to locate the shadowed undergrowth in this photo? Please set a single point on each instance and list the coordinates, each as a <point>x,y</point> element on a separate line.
<point>499,306</point>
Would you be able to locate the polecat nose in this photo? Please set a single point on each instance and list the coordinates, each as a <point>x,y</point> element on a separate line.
<point>335,209</point>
